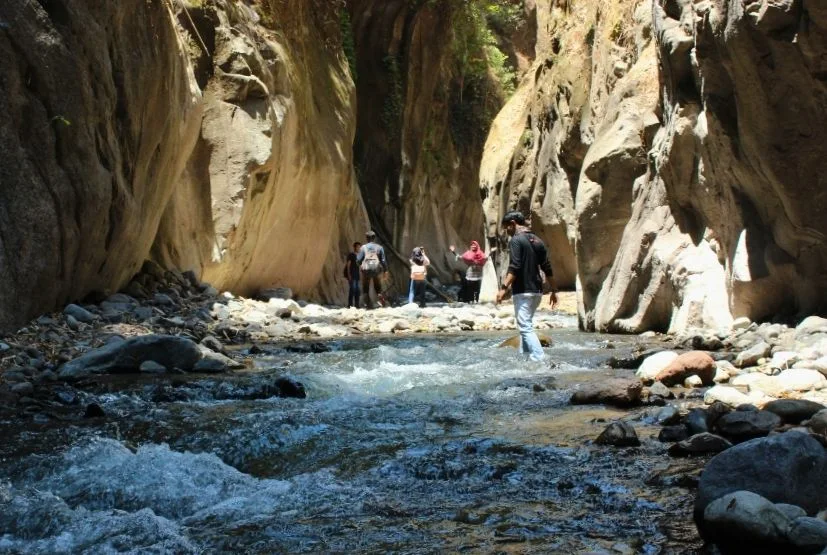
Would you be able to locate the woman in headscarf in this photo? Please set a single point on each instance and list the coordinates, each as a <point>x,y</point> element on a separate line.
<point>475,259</point>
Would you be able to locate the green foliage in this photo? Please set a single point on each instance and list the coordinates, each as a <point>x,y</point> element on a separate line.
<point>485,76</point>
<point>475,47</point>
<point>394,102</point>
<point>506,17</point>
<point>348,43</point>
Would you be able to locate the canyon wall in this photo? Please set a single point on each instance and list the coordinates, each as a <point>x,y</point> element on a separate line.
<point>670,153</point>
<point>214,137</point>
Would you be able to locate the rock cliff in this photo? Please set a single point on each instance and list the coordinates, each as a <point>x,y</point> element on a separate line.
<point>212,136</point>
<point>671,154</point>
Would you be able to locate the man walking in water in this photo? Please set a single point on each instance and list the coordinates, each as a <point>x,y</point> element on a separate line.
<point>372,262</point>
<point>528,256</point>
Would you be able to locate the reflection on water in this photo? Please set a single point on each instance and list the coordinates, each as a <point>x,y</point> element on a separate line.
<point>417,445</point>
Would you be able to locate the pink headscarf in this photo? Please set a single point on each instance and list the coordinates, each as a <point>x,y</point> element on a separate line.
<point>474,255</point>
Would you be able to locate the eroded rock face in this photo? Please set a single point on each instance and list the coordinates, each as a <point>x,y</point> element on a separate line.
<point>198,136</point>
<point>685,175</point>
<point>100,114</point>
<point>273,152</point>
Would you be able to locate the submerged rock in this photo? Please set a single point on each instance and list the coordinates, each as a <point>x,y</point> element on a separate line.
<point>514,342</point>
<point>614,391</point>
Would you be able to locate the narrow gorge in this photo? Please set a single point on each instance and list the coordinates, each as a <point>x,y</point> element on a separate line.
<point>183,370</point>
<point>668,151</point>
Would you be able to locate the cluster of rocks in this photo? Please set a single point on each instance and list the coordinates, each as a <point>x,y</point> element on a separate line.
<point>752,365</point>
<point>766,495</point>
<point>756,402</point>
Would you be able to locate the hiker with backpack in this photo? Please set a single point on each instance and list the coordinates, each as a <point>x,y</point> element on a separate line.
<point>419,271</point>
<point>373,265</point>
<point>528,255</point>
<point>475,259</point>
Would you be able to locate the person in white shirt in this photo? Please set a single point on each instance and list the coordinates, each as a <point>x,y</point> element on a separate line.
<point>419,272</point>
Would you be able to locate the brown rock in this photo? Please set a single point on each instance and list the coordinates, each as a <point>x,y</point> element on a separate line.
<point>514,342</point>
<point>693,363</point>
<point>619,392</point>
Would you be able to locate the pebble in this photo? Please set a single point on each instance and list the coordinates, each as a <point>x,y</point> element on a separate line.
<point>22,388</point>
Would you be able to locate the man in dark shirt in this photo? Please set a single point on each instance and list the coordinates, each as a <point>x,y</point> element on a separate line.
<point>352,276</point>
<point>528,256</point>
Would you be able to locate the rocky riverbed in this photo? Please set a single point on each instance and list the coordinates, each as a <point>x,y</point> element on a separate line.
<point>750,399</point>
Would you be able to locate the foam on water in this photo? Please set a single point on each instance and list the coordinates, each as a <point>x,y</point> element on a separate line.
<point>391,450</point>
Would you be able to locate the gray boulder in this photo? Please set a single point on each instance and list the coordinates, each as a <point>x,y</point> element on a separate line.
<point>127,356</point>
<point>751,356</point>
<point>79,313</point>
<point>699,444</point>
<point>782,468</point>
<point>743,425</point>
<point>212,362</point>
<point>794,411</point>
<point>619,434</point>
<point>745,521</point>
<point>808,534</point>
<point>743,516</point>
<point>671,434</point>
<point>818,422</point>
<point>810,326</point>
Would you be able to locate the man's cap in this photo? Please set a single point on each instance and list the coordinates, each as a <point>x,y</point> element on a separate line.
<point>514,216</point>
<point>370,233</point>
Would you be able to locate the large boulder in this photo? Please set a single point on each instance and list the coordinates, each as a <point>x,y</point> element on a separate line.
<point>128,355</point>
<point>783,468</point>
<point>747,521</point>
<point>693,363</point>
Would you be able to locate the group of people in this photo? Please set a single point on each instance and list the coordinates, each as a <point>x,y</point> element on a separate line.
<point>528,270</point>
<point>367,264</point>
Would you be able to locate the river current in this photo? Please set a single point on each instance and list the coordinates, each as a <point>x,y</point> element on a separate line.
<point>404,444</point>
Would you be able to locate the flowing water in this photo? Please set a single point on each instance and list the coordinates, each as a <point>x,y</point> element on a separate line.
<point>413,445</point>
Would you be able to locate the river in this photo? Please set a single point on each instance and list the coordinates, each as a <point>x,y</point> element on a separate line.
<point>407,444</point>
